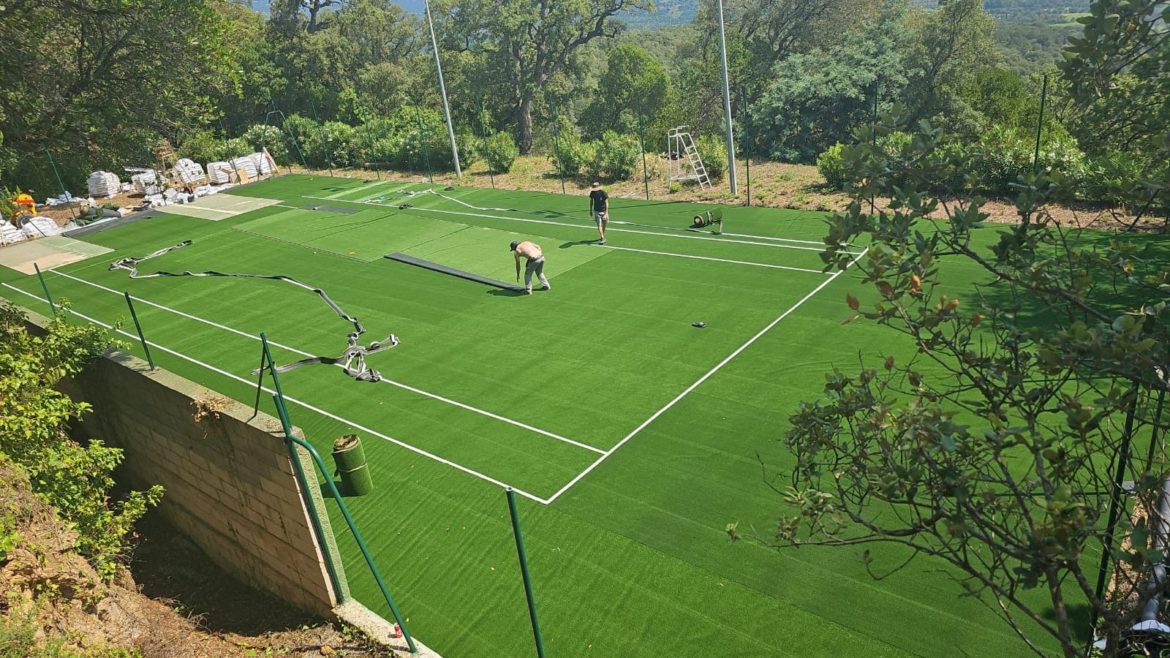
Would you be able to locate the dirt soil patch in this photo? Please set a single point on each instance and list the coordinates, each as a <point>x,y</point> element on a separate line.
<point>773,184</point>
<point>172,601</point>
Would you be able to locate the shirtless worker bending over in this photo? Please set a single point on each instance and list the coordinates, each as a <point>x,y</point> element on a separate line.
<point>535,264</point>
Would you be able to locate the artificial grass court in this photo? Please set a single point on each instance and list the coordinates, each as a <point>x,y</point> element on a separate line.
<point>634,437</point>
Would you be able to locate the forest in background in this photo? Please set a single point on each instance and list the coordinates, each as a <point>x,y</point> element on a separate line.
<point>97,84</point>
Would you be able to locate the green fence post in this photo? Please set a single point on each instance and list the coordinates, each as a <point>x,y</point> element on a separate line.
<point>1040,127</point>
<point>642,143</point>
<point>524,572</point>
<point>747,143</point>
<point>60,183</point>
<point>45,287</point>
<point>422,138</point>
<point>357,535</point>
<point>138,326</point>
<point>557,149</point>
<point>484,136</point>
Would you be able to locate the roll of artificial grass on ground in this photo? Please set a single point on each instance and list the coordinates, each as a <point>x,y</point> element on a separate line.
<point>351,466</point>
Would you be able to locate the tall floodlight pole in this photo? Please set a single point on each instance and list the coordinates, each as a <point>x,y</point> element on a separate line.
<point>443,91</point>
<point>727,105</point>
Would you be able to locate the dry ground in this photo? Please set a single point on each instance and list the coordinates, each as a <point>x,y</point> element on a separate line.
<point>171,602</point>
<point>772,184</point>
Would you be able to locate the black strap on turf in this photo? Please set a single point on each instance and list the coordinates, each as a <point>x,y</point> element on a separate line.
<point>352,360</point>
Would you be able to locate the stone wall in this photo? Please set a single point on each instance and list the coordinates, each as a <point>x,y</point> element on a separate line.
<point>229,479</point>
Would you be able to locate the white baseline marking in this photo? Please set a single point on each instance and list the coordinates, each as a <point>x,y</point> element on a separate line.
<point>719,260</point>
<point>702,379</point>
<point>294,350</point>
<point>305,405</point>
<point>591,228</point>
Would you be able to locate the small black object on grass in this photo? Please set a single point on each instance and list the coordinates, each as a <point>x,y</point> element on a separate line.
<point>699,325</point>
<point>405,206</point>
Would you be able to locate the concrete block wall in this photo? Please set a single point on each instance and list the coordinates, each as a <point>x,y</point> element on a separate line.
<point>229,478</point>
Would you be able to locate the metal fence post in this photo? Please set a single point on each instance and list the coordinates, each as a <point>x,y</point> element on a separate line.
<point>45,287</point>
<point>524,572</point>
<point>138,326</point>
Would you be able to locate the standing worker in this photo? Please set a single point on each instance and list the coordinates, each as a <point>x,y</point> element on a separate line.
<point>535,264</point>
<point>599,204</point>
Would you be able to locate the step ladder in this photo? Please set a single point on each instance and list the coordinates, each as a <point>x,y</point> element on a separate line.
<point>679,144</point>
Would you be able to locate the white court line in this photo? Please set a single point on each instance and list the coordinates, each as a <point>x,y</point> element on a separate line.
<point>294,350</point>
<point>719,260</point>
<point>702,379</point>
<point>305,405</point>
<point>591,228</point>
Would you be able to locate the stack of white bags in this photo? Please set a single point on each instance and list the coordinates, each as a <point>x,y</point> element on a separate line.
<point>41,227</point>
<point>10,234</point>
<point>103,184</point>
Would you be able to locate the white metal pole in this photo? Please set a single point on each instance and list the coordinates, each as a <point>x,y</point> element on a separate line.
<point>727,104</point>
<point>443,91</point>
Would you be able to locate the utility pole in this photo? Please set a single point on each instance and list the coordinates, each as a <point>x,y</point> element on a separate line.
<point>727,105</point>
<point>443,91</point>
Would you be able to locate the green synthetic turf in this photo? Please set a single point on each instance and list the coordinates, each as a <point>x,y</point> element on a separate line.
<point>631,561</point>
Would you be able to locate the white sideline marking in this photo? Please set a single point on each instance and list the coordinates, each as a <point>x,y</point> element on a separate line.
<point>702,379</point>
<point>305,405</point>
<point>294,350</point>
<point>591,228</point>
<point>719,260</point>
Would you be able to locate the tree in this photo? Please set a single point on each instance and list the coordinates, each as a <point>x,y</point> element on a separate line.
<point>634,83</point>
<point>85,78</point>
<point>954,41</point>
<point>1118,73</point>
<point>817,99</point>
<point>526,43</point>
<point>997,439</point>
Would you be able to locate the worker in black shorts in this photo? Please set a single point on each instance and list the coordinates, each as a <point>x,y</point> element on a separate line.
<point>531,252</point>
<point>599,204</point>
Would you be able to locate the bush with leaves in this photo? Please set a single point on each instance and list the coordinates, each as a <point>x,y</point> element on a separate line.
<point>330,145</point>
<point>990,433</point>
<point>713,150</point>
<point>74,478</point>
<point>831,166</point>
<point>614,157</point>
<point>570,153</point>
<point>261,136</point>
<point>500,151</point>
<point>203,147</point>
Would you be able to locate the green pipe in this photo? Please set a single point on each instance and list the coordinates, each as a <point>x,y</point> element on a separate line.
<point>642,144</point>
<point>557,148</point>
<point>301,479</point>
<point>45,287</point>
<point>1040,127</point>
<point>524,572</point>
<point>351,463</point>
<point>483,135</point>
<point>357,535</point>
<point>138,326</point>
<point>60,182</point>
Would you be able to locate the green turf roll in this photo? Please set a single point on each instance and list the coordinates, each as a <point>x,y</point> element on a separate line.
<point>351,465</point>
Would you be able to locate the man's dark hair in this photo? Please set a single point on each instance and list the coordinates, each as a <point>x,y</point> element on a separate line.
<point>512,247</point>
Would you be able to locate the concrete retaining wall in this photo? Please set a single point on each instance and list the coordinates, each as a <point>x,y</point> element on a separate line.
<point>229,479</point>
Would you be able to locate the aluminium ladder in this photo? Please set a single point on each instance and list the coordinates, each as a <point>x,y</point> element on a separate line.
<point>678,144</point>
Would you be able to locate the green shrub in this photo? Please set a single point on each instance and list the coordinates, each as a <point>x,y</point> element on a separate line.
<point>613,157</point>
<point>270,137</point>
<point>714,153</point>
<point>235,147</point>
<point>203,147</point>
<point>831,164</point>
<point>570,153</point>
<point>330,145</point>
<point>296,129</point>
<point>499,150</point>
<point>76,479</point>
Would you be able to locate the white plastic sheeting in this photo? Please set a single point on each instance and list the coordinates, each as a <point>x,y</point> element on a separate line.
<point>145,183</point>
<point>219,173</point>
<point>10,234</point>
<point>103,184</point>
<point>190,172</point>
<point>41,227</point>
